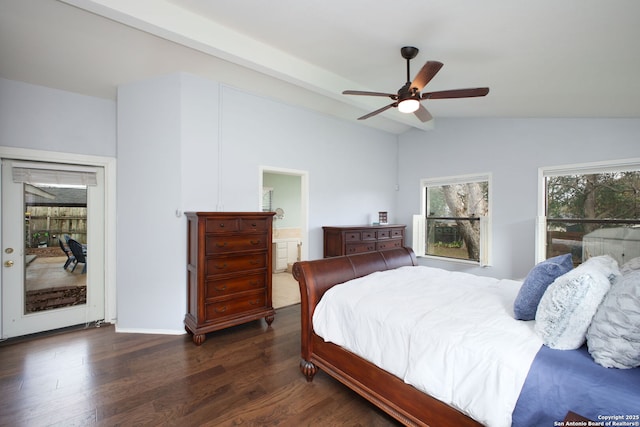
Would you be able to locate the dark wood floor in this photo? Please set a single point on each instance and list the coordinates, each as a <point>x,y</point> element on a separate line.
<point>247,375</point>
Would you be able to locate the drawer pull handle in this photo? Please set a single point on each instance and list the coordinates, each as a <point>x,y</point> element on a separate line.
<point>221,309</point>
<point>254,225</point>
<point>221,245</point>
<point>254,262</point>
<point>253,282</point>
<point>221,266</point>
<point>255,242</point>
<point>222,225</point>
<point>221,288</point>
<point>256,302</point>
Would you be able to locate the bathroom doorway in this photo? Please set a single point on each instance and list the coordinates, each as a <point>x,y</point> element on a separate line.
<point>285,191</point>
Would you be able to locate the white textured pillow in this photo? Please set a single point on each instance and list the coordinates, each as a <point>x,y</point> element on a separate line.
<point>605,265</point>
<point>631,265</point>
<point>570,302</point>
<point>614,335</point>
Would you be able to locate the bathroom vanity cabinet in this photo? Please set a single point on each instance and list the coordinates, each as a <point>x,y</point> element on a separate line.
<point>285,252</point>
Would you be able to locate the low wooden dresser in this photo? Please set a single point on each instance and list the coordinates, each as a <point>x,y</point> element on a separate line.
<point>229,265</point>
<point>349,240</point>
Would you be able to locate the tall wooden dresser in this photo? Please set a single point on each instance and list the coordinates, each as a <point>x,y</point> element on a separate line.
<point>229,265</point>
<point>349,240</point>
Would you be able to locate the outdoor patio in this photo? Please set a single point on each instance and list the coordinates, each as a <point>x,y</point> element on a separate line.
<point>49,286</point>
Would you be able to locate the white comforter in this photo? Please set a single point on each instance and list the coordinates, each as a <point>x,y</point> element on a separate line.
<point>449,334</point>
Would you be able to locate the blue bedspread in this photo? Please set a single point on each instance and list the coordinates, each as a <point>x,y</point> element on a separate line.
<point>560,381</point>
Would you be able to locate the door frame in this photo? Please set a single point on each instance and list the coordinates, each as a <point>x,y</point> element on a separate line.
<point>304,201</point>
<point>109,166</point>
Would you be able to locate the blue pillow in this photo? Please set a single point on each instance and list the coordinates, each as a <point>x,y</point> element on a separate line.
<point>537,281</point>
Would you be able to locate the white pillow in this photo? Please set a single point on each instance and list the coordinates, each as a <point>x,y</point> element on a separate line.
<point>613,338</point>
<point>570,302</point>
<point>605,265</point>
<point>631,265</point>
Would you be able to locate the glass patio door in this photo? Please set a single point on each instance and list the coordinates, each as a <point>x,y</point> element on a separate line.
<point>46,207</point>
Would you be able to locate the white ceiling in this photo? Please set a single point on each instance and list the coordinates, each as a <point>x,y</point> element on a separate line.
<point>543,58</point>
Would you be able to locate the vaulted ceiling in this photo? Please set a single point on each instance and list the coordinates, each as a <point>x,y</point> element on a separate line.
<point>544,58</point>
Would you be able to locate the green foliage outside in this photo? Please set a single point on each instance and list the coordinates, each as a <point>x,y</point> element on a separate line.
<point>580,204</point>
<point>465,202</point>
<point>594,196</point>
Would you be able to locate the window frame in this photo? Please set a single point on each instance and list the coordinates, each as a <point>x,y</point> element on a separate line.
<point>419,221</point>
<point>621,165</point>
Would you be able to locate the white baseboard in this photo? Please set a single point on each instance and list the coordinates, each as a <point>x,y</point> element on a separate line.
<point>151,331</point>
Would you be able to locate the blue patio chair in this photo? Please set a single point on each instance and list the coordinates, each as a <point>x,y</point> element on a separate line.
<point>78,253</point>
<point>68,253</point>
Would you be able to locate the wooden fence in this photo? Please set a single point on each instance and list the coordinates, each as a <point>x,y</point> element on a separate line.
<point>45,224</point>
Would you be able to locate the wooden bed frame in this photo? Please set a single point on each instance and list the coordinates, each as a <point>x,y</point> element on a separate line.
<point>400,400</point>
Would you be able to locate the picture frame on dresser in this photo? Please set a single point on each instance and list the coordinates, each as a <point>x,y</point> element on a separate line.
<point>229,270</point>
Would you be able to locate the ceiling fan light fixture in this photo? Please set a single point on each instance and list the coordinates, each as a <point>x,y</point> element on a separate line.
<point>409,96</point>
<point>409,105</point>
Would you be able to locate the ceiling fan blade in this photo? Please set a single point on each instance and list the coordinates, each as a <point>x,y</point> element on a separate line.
<point>423,114</point>
<point>378,111</point>
<point>426,73</point>
<point>361,92</point>
<point>456,93</point>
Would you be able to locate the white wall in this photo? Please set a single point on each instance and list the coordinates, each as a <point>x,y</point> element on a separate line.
<point>41,118</point>
<point>199,120</point>
<point>151,293</point>
<point>352,169</point>
<point>512,150</point>
<point>185,143</point>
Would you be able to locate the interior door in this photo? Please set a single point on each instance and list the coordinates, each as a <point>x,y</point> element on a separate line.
<point>19,275</point>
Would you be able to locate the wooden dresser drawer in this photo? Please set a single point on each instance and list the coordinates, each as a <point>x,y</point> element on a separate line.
<point>368,235</point>
<point>397,233</point>
<point>221,225</point>
<point>383,234</point>
<point>231,264</point>
<point>357,248</point>
<point>222,287</point>
<point>235,306</point>
<point>388,244</point>
<point>254,224</point>
<point>352,236</point>
<point>231,243</point>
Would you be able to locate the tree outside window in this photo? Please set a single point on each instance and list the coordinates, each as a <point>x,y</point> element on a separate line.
<point>593,213</point>
<point>456,209</point>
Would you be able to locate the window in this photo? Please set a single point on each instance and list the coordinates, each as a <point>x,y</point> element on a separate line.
<point>454,223</point>
<point>591,210</point>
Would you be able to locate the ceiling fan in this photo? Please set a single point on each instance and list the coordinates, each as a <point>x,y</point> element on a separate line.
<point>408,98</point>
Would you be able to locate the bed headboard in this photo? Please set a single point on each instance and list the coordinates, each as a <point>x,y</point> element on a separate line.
<point>315,277</point>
